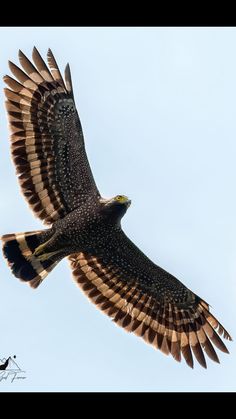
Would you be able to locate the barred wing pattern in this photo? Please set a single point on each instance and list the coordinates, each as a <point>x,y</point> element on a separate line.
<point>176,328</point>
<point>47,143</point>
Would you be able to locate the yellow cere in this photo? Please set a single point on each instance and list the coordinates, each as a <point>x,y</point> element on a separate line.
<point>121,198</point>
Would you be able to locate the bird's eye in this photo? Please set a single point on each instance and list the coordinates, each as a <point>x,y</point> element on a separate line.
<point>119,197</point>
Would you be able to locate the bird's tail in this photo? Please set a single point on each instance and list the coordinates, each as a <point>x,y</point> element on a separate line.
<point>19,251</point>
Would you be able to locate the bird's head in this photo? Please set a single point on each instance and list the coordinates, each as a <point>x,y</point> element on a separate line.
<point>116,207</point>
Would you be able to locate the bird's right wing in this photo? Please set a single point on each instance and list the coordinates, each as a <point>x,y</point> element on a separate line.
<point>47,142</point>
<point>145,299</point>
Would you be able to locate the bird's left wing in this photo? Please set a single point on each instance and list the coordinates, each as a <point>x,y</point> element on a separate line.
<point>144,299</point>
<point>47,141</point>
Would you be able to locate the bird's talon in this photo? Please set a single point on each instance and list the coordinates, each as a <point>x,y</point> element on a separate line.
<point>40,249</point>
<point>46,256</point>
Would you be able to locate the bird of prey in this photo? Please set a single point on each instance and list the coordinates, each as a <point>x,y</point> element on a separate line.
<point>48,150</point>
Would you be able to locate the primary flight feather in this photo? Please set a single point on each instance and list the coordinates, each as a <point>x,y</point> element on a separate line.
<point>47,147</point>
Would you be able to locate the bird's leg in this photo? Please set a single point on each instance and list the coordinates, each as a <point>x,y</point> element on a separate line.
<point>46,256</point>
<point>40,249</point>
<point>47,249</point>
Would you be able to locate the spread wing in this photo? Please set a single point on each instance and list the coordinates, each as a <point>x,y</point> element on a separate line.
<point>47,142</point>
<point>144,299</point>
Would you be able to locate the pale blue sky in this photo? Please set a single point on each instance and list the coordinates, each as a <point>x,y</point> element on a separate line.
<point>158,110</point>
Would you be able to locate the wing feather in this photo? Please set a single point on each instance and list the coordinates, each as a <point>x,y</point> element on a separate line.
<point>41,66</point>
<point>171,326</point>
<point>55,69</point>
<point>68,79</point>
<point>47,143</point>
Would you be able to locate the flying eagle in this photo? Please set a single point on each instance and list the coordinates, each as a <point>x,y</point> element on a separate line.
<point>47,147</point>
